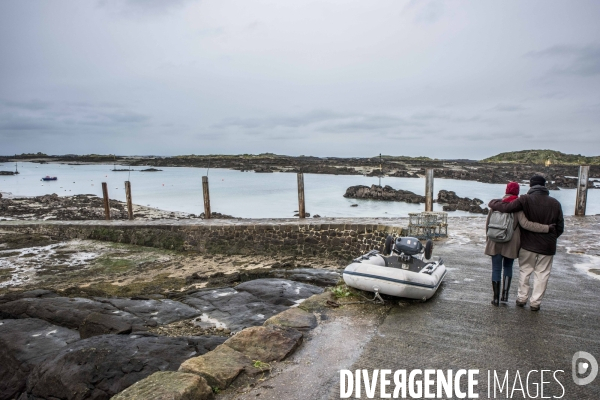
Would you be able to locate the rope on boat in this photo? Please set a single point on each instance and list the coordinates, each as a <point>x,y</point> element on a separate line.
<point>377,299</point>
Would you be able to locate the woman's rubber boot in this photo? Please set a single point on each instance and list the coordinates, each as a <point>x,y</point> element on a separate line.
<point>505,288</point>
<point>496,287</point>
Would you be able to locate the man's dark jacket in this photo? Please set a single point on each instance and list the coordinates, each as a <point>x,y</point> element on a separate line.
<point>538,206</point>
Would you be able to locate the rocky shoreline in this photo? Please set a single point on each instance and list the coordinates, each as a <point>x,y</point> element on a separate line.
<point>113,315</point>
<point>449,199</point>
<point>82,207</point>
<point>107,345</point>
<point>563,176</point>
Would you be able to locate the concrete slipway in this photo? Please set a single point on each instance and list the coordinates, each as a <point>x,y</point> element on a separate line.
<point>459,329</point>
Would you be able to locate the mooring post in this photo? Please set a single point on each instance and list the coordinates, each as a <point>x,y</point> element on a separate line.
<point>301,207</point>
<point>128,196</point>
<point>206,197</point>
<point>582,185</point>
<point>106,201</point>
<point>429,189</point>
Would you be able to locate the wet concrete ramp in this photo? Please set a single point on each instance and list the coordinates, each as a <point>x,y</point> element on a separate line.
<point>459,329</point>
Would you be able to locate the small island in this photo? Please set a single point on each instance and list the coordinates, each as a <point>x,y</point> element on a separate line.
<point>386,193</point>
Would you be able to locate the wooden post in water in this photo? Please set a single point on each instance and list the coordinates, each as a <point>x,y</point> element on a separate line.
<point>582,185</point>
<point>128,196</point>
<point>429,189</point>
<point>206,195</point>
<point>301,206</point>
<point>106,201</point>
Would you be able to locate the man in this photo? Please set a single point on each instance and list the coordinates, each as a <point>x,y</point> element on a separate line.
<point>537,249</point>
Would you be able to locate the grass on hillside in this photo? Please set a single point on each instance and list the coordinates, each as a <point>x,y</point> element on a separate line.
<point>542,157</point>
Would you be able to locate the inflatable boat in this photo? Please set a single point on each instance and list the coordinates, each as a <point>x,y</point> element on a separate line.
<point>404,270</point>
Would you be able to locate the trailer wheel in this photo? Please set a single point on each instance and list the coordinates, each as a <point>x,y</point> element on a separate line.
<point>428,249</point>
<point>387,250</point>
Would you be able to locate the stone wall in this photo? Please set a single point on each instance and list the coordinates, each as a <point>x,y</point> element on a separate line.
<point>339,241</point>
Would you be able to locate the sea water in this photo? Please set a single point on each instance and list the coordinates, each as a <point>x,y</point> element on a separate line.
<point>250,194</point>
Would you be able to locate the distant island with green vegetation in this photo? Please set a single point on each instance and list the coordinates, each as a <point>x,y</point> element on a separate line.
<point>542,157</point>
<point>531,157</point>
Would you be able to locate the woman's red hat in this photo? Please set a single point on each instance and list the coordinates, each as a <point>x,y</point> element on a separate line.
<point>512,188</point>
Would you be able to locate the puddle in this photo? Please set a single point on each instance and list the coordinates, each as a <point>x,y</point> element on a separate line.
<point>205,321</point>
<point>591,268</point>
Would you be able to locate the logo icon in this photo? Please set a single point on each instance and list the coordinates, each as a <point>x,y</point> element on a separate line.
<point>584,363</point>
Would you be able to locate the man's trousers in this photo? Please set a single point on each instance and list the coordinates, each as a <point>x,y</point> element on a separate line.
<point>538,264</point>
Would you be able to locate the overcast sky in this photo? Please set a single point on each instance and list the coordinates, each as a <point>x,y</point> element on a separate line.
<point>445,79</point>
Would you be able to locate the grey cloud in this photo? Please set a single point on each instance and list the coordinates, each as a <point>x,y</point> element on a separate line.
<point>498,136</point>
<point>553,95</point>
<point>126,117</point>
<point>326,121</point>
<point>33,105</point>
<point>508,108</point>
<point>211,32</point>
<point>367,123</point>
<point>425,11</point>
<point>19,124</point>
<point>167,76</point>
<point>312,117</point>
<point>430,115</point>
<point>412,133</point>
<point>135,7</point>
<point>58,116</point>
<point>323,120</point>
<point>437,116</point>
<point>252,26</point>
<point>85,104</point>
<point>107,119</point>
<point>576,60</point>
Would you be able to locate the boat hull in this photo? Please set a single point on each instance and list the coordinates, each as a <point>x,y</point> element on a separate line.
<point>372,275</point>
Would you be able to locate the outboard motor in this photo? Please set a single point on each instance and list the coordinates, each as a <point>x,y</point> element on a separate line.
<point>407,247</point>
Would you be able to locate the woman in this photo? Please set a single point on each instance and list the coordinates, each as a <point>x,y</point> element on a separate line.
<point>504,254</point>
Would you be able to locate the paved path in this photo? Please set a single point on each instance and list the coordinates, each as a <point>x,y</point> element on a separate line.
<point>459,329</point>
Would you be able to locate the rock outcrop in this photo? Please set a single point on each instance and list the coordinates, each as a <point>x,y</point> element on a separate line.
<point>54,347</point>
<point>386,193</point>
<point>278,291</point>
<point>219,367</point>
<point>161,312</point>
<point>96,324</point>
<point>216,215</point>
<point>102,366</point>
<point>67,312</point>
<point>168,385</point>
<point>265,343</point>
<point>25,343</point>
<point>294,318</point>
<point>452,202</point>
<point>318,277</point>
<point>248,304</point>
